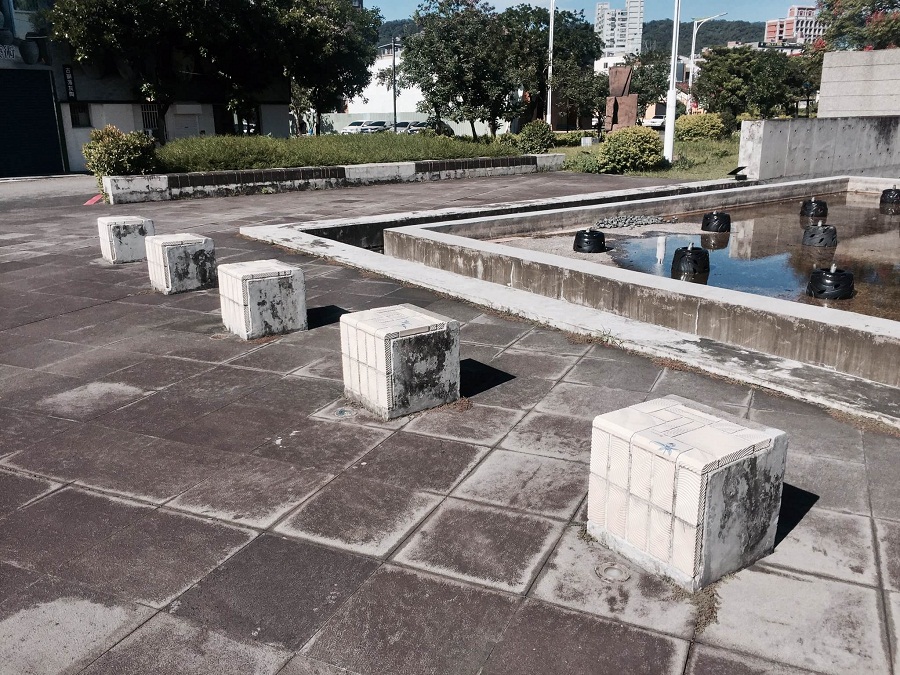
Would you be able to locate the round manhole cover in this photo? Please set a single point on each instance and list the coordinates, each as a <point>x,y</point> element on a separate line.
<point>345,412</point>
<point>612,572</point>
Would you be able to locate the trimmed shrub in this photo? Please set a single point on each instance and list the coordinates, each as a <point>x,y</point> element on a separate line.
<point>586,162</point>
<point>536,138</point>
<point>509,142</point>
<point>745,117</point>
<point>572,139</point>
<point>216,153</point>
<point>111,152</point>
<point>697,127</point>
<point>632,149</point>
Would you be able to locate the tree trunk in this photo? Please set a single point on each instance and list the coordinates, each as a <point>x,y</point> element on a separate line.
<point>474,135</point>
<point>318,122</point>
<point>161,131</point>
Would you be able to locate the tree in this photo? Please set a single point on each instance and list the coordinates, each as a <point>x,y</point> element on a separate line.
<point>168,48</point>
<point>400,28</point>
<point>777,83</point>
<point>657,34</point>
<point>576,46</point>
<point>579,91</point>
<point>453,60</point>
<point>860,24</point>
<point>723,85</point>
<point>649,78</point>
<point>328,50</point>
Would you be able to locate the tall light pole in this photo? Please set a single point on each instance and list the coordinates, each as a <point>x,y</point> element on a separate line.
<point>669,134</point>
<point>697,24</point>
<point>550,66</point>
<point>394,76</point>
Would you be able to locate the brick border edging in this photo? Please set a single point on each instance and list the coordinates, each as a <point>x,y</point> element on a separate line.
<point>166,187</point>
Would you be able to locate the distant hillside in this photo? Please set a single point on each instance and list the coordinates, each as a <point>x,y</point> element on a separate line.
<point>399,28</point>
<point>658,34</point>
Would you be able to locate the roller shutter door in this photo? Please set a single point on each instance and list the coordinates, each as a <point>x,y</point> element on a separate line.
<point>29,133</point>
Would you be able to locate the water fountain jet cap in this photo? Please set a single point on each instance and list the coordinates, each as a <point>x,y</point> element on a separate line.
<point>834,267</point>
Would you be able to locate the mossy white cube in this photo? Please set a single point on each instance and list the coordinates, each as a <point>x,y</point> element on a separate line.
<point>683,490</point>
<point>262,297</point>
<point>181,262</point>
<point>400,360</point>
<point>122,238</point>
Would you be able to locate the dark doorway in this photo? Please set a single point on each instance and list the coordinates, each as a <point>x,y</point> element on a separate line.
<point>29,131</point>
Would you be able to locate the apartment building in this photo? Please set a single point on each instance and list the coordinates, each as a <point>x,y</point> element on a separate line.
<point>801,25</point>
<point>622,30</point>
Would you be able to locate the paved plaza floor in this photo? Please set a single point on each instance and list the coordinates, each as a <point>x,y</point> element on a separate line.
<point>176,500</point>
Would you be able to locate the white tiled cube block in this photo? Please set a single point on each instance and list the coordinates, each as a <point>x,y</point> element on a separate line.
<point>181,262</point>
<point>399,360</point>
<point>122,237</point>
<point>683,490</point>
<point>262,297</point>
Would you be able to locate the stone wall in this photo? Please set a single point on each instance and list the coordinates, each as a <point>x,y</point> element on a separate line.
<point>860,84</point>
<point>133,189</point>
<point>809,148</point>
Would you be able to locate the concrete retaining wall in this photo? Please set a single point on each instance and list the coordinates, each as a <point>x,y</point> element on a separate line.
<point>850,343</point>
<point>132,189</point>
<point>860,84</point>
<point>820,147</point>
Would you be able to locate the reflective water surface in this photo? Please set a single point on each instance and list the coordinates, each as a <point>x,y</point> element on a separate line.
<point>763,253</point>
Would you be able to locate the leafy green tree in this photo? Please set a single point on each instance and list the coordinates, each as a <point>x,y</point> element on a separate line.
<point>777,83</point>
<point>168,48</point>
<point>576,47</point>
<point>400,28</point>
<point>649,78</point>
<point>860,24</point>
<point>657,34</point>
<point>328,50</point>
<point>579,91</point>
<point>723,85</point>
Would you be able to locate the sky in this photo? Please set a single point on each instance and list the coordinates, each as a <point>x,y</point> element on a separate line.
<point>653,9</point>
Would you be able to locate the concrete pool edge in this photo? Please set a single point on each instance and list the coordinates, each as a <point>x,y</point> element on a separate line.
<point>854,395</point>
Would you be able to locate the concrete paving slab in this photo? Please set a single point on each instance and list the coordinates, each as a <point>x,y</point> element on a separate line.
<point>94,364</point>
<point>168,646</point>
<point>884,474</point>
<point>519,393</point>
<point>709,661</point>
<point>495,547</point>
<point>359,515</point>
<point>325,446</point>
<point>14,580</point>
<point>763,400</point>
<point>280,358</point>
<point>47,534</point>
<point>642,599</point>
<point>638,376</point>
<point>838,485</point>
<point>539,485</point>
<point>522,362</point>
<point>406,622</point>
<point>347,412</point>
<point>158,558</point>
<point>551,436</point>
<point>893,602</point>
<point>238,427</point>
<point>302,665</point>
<point>419,462</point>
<point>293,394</point>
<point>551,342</point>
<point>16,491</point>
<point>41,353</point>
<point>277,592</point>
<point>888,533</point>
<point>833,544</point>
<point>54,626</point>
<point>804,621</point>
<point>158,372</point>
<point>492,334</point>
<point>481,425</point>
<point>19,429</point>
<point>543,639</point>
<point>255,491</point>
<point>702,389</point>
<point>89,401</point>
<point>586,402</point>
<point>819,435</point>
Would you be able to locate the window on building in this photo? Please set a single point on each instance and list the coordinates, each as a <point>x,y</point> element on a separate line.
<point>81,114</point>
<point>151,121</point>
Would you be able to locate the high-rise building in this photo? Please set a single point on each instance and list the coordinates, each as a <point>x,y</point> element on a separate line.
<point>620,29</point>
<point>801,25</point>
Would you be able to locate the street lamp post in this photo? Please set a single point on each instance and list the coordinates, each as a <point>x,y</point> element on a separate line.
<point>550,66</point>
<point>669,134</point>
<point>394,44</point>
<point>697,24</point>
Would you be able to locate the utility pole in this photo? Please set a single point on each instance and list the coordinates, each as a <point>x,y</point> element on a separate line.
<point>550,67</point>
<point>669,134</point>
<point>697,24</point>
<point>394,77</point>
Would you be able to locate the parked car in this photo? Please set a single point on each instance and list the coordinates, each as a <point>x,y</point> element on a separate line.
<point>353,127</point>
<point>374,127</point>
<point>400,127</point>
<point>657,122</point>
<point>441,128</point>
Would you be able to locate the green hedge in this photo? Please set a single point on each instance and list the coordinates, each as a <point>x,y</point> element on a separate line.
<point>535,138</point>
<point>111,152</point>
<point>215,153</point>
<point>632,149</point>
<point>699,127</point>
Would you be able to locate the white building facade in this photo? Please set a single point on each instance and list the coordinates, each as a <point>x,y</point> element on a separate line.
<point>621,30</point>
<point>800,26</point>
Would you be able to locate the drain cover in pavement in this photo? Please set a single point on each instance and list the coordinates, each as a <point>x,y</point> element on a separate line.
<point>612,572</point>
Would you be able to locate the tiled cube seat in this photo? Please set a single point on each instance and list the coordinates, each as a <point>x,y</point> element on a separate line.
<point>122,237</point>
<point>683,490</point>
<point>181,262</point>
<point>399,360</point>
<point>262,297</point>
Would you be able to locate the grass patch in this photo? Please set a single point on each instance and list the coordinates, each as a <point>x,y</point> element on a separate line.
<point>226,153</point>
<point>694,160</point>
